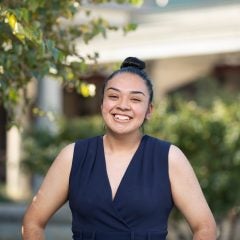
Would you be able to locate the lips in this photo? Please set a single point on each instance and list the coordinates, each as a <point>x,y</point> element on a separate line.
<point>121,117</point>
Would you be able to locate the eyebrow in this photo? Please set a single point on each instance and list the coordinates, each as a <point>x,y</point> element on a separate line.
<point>133,92</point>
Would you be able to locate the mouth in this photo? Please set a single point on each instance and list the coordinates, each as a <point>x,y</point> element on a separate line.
<point>120,117</point>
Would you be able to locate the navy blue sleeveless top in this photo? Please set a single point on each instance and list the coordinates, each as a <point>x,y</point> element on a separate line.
<point>143,201</point>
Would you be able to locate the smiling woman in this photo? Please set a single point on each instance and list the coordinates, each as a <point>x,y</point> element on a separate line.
<point>122,185</point>
<point>126,104</point>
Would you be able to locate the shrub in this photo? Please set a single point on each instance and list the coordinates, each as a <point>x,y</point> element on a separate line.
<point>41,147</point>
<point>210,138</point>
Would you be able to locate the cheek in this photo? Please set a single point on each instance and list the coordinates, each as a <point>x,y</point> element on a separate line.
<point>105,107</point>
<point>142,111</point>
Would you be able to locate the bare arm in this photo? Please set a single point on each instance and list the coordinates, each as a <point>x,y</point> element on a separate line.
<point>50,197</point>
<point>188,196</point>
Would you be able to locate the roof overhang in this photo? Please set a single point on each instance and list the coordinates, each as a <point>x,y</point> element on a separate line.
<point>209,30</point>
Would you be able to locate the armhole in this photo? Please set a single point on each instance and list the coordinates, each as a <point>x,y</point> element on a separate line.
<point>168,166</point>
<point>163,151</point>
<point>78,154</point>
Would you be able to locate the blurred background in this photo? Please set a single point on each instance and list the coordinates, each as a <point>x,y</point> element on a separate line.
<point>54,59</point>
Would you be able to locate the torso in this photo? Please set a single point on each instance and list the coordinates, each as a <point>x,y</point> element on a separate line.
<point>125,192</point>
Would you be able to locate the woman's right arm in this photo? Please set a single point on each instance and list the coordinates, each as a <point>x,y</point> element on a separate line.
<point>50,197</point>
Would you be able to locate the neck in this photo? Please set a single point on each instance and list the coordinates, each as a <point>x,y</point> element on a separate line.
<point>122,142</point>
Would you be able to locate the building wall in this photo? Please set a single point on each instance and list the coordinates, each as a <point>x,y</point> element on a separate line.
<point>173,73</point>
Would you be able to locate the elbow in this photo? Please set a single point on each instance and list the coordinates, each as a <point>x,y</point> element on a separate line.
<point>206,231</point>
<point>32,228</point>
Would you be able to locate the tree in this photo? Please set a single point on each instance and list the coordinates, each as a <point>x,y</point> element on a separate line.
<point>36,39</point>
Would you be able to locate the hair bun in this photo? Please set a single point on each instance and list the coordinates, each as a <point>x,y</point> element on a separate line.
<point>133,62</point>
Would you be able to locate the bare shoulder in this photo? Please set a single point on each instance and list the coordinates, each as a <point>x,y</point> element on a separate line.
<point>57,176</point>
<point>180,170</point>
<point>60,169</point>
<point>64,158</point>
<point>177,159</point>
<point>66,153</point>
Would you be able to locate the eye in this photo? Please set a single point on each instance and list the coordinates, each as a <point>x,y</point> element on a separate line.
<point>136,100</point>
<point>113,97</point>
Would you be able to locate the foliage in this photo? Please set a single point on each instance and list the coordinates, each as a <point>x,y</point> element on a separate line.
<point>36,39</point>
<point>41,147</point>
<point>211,140</point>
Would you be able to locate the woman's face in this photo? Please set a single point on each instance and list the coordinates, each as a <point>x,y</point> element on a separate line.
<point>125,103</point>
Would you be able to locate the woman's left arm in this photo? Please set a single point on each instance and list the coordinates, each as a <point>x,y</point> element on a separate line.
<point>188,196</point>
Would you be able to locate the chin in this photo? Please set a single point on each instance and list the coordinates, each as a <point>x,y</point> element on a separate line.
<point>123,132</point>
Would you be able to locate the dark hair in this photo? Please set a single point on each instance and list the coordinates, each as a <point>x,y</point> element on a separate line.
<point>135,66</point>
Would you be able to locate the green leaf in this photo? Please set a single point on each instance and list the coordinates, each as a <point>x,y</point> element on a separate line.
<point>129,27</point>
<point>49,44</point>
<point>13,95</point>
<point>55,53</point>
<point>136,2</point>
<point>33,39</point>
<point>33,5</point>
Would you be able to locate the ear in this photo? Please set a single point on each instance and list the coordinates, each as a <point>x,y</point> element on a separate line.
<point>149,111</point>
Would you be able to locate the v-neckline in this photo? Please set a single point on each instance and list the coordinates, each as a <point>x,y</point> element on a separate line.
<point>113,199</point>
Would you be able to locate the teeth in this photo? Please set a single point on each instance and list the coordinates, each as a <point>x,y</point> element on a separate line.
<point>121,117</point>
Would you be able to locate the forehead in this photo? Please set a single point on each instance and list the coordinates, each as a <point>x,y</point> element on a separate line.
<point>127,81</point>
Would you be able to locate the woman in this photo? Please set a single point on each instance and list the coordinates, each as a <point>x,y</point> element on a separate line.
<point>124,184</point>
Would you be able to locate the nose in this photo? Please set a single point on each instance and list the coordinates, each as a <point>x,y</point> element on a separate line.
<point>123,104</point>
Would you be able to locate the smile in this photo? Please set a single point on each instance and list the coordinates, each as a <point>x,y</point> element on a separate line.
<point>121,117</point>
